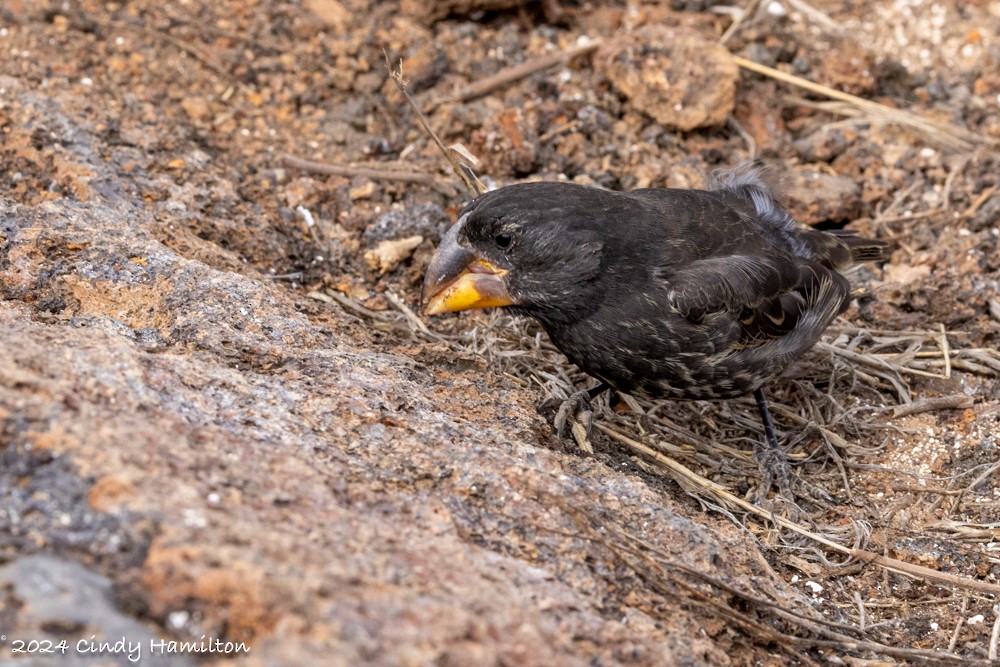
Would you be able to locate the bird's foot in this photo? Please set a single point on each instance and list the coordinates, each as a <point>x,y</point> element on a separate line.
<point>576,408</point>
<point>772,461</point>
<point>774,467</point>
<point>576,412</point>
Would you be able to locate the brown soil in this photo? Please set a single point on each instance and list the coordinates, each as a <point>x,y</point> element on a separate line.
<point>193,429</point>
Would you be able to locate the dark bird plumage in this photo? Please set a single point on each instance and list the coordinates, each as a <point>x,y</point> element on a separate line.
<point>684,294</point>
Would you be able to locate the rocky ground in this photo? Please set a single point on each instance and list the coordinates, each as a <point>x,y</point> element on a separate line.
<point>220,422</point>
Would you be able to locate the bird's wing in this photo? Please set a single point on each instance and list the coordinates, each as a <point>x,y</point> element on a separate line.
<point>768,293</point>
<point>729,282</point>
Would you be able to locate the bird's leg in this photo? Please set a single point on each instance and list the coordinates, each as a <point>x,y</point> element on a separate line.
<point>765,416</point>
<point>772,461</point>
<point>579,402</point>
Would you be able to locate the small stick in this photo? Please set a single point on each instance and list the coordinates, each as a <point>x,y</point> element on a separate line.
<point>408,313</point>
<point>958,626</point>
<point>848,328</point>
<point>956,137</point>
<point>985,356</point>
<point>921,572</point>
<point>953,402</point>
<point>474,185</point>
<point>510,75</point>
<point>297,275</point>
<point>896,202</point>
<point>332,296</point>
<point>738,19</point>
<point>746,136</point>
<point>874,362</point>
<point>980,200</point>
<point>989,471</point>
<point>931,355</point>
<point>861,611</point>
<point>995,635</point>
<point>907,488</point>
<point>945,350</point>
<point>950,180</point>
<point>816,15</point>
<point>913,216</point>
<point>366,172</point>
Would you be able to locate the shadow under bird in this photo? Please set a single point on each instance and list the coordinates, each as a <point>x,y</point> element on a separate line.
<point>659,293</point>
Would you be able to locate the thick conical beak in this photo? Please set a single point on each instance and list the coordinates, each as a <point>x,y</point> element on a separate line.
<point>459,280</point>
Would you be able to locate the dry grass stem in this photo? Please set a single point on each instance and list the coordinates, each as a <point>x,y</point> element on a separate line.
<point>995,635</point>
<point>739,17</point>
<point>767,620</point>
<point>944,135</point>
<point>815,15</point>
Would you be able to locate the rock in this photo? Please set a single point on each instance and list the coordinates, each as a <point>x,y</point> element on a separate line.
<point>850,68</point>
<point>759,112</point>
<point>427,220</point>
<point>63,601</point>
<point>816,196</point>
<point>331,12</point>
<point>430,11</point>
<point>197,108</point>
<point>387,255</point>
<point>987,214</point>
<point>906,273</point>
<point>678,78</point>
<point>507,145</point>
<point>825,144</point>
<point>363,191</point>
<point>423,66</point>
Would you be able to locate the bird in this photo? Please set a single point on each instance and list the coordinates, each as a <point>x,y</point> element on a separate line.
<point>659,293</point>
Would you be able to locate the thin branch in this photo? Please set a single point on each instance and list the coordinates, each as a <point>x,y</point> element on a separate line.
<point>374,173</point>
<point>953,402</point>
<point>473,183</point>
<point>740,16</point>
<point>510,75</point>
<point>995,635</point>
<point>948,135</point>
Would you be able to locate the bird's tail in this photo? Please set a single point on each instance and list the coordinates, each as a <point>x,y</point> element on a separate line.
<point>758,188</point>
<point>862,249</point>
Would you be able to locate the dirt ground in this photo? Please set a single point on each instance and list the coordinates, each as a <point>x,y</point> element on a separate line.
<point>221,420</point>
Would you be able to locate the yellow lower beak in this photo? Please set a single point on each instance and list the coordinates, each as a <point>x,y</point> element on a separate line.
<point>457,279</point>
<point>480,285</point>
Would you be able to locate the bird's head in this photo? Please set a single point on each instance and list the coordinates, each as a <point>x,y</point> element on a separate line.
<point>520,246</point>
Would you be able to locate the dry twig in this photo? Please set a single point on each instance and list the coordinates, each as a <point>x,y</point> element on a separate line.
<point>474,185</point>
<point>688,478</point>
<point>514,74</point>
<point>953,402</point>
<point>946,135</point>
<point>373,173</point>
<point>798,629</point>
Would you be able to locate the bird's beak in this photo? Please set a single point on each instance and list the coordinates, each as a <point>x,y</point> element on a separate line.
<point>458,280</point>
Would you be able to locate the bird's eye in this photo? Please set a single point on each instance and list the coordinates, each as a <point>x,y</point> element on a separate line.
<point>503,240</point>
